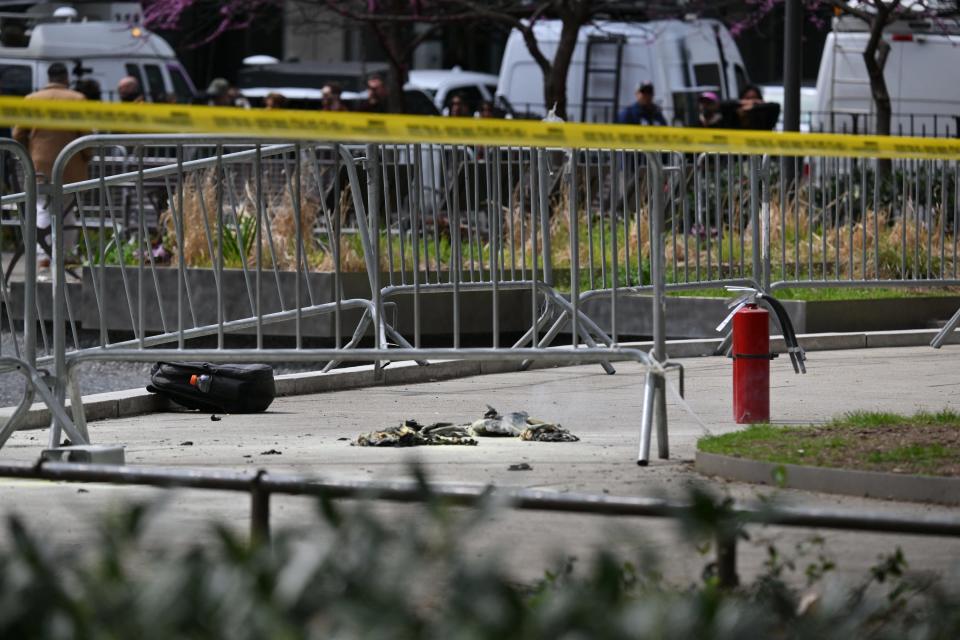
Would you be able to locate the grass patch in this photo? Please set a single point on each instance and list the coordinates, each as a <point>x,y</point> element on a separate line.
<point>834,293</point>
<point>923,443</point>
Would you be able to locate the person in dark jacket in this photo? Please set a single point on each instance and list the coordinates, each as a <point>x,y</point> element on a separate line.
<point>644,111</point>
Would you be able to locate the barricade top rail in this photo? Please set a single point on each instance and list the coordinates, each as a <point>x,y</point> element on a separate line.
<point>359,127</point>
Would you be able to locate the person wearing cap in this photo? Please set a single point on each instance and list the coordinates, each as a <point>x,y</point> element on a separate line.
<point>644,111</point>
<point>711,115</point>
<point>44,145</point>
<point>218,93</point>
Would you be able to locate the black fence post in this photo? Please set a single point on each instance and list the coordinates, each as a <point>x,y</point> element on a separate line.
<point>726,541</point>
<point>259,511</point>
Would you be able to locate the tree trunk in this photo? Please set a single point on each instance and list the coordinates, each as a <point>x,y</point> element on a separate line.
<point>875,58</point>
<point>555,82</point>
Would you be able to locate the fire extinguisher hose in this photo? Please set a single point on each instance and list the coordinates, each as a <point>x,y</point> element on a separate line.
<point>794,350</point>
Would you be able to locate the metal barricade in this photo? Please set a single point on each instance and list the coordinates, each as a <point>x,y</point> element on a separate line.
<point>276,211</point>
<point>461,220</point>
<point>20,331</point>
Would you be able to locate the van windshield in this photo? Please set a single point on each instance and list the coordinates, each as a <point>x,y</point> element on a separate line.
<point>15,79</point>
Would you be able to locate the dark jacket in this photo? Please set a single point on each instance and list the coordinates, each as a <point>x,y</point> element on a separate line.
<point>648,115</point>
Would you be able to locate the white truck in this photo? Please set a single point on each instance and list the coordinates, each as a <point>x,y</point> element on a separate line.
<point>681,58</point>
<point>921,73</point>
<point>101,41</point>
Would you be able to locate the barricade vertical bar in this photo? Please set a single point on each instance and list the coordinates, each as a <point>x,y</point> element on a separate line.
<point>54,194</point>
<point>141,227</point>
<point>219,256</point>
<point>298,222</point>
<point>765,221</point>
<point>337,223</point>
<point>388,216</point>
<point>493,229</point>
<point>574,250</point>
<point>626,177</point>
<point>755,217</point>
<point>101,247</point>
<point>513,219</point>
<point>472,194</point>
<point>258,240</point>
<point>30,256</point>
<point>535,203</point>
<point>373,212</point>
<point>434,209</point>
<point>416,214</point>
<point>637,207</point>
<point>457,259</point>
<point>588,214</point>
<point>614,247</point>
<point>543,170</point>
<point>657,275</point>
<point>181,260</point>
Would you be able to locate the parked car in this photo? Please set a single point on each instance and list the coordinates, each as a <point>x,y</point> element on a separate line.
<point>681,58</point>
<point>442,84</point>
<point>923,57</point>
<point>91,47</point>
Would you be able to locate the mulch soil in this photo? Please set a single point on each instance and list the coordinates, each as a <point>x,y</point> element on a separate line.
<point>908,449</point>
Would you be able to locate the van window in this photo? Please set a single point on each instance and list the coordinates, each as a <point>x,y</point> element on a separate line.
<point>155,85</point>
<point>134,70</point>
<point>15,79</point>
<point>706,75</point>
<point>181,87</point>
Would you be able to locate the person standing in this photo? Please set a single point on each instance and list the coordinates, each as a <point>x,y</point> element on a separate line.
<point>331,100</point>
<point>44,145</point>
<point>275,100</point>
<point>644,111</point>
<point>90,89</point>
<point>458,107</point>
<point>129,90</point>
<point>378,96</point>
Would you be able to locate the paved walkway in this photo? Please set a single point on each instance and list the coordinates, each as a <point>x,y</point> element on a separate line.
<point>311,433</point>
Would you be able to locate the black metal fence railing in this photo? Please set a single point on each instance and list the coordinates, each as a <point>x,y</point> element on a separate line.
<point>261,485</point>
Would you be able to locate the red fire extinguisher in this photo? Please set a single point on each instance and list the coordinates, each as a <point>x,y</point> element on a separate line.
<point>751,365</point>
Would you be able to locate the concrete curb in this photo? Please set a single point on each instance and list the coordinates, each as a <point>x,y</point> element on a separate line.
<point>868,484</point>
<point>132,402</point>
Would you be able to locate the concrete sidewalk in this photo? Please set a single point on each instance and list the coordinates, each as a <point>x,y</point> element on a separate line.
<point>312,434</point>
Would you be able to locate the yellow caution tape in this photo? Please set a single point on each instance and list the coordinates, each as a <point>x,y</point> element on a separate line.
<point>329,126</point>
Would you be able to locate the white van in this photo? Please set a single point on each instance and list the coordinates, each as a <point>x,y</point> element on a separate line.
<point>681,58</point>
<point>921,73</point>
<point>103,50</point>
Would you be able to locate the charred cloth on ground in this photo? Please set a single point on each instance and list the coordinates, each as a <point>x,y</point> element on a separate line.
<point>517,424</point>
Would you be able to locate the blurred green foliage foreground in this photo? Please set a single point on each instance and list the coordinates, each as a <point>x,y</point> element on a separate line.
<point>407,575</point>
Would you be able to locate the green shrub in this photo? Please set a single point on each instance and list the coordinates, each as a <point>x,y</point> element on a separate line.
<point>410,577</point>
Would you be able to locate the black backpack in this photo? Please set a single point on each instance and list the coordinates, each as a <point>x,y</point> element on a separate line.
<point>215,388</point>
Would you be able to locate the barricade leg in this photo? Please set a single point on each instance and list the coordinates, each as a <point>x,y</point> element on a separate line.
<point>646,424</point>
<point>944,333</point>
<point>658,276</point>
